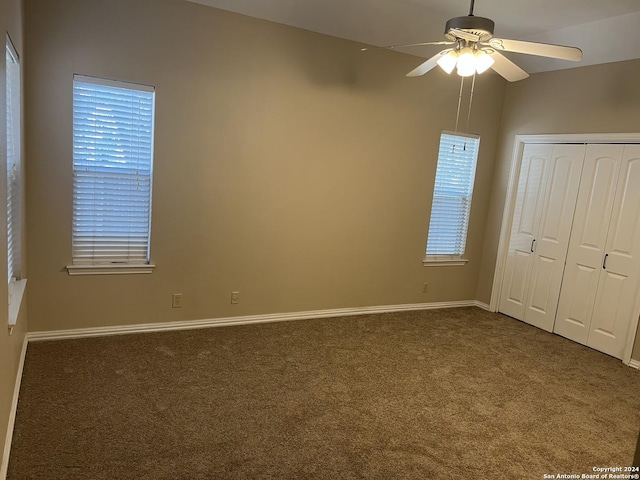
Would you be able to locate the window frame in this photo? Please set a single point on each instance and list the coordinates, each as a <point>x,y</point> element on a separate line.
<point>13,114</point>
<point>83,266</point>
<point>453,259</point>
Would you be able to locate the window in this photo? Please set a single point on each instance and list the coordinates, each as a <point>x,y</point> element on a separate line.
<point>14,211</point>
<point>452,199</point>
<point>112,176</point>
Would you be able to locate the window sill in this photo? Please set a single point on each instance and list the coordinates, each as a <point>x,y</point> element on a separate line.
<point>16,302</point>
<point>109,269</point>
<point>444,261</point>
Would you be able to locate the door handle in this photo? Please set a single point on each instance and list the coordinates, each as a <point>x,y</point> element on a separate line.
<point>533,242</point>
<point>604,262</point>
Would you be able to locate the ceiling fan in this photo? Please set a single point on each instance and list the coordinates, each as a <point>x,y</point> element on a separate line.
<point>474,49</point>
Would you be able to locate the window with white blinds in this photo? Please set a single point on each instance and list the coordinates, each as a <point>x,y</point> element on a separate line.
<point>112,172</point>
<point>452,193</point>
<point>13,164</point>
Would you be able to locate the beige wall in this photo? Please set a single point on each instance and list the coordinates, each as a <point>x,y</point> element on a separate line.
<point>288,165</point>
<point>596,99</point>
<point>10,345</point>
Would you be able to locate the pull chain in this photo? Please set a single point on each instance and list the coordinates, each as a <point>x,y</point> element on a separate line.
<point>473,84</point>
<point>459,103</point>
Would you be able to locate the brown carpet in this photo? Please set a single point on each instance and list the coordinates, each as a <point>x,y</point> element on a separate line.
<point>458,393</point>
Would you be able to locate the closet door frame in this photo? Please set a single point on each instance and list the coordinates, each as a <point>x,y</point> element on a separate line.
<point>507,215</point>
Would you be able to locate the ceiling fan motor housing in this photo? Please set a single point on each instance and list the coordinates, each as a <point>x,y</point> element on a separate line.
<point>483,27</point>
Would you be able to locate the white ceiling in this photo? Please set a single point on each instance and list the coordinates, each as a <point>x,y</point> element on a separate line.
<point>605,30</point>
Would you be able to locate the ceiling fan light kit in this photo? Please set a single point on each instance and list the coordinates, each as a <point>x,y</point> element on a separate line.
<point>475,50</point>
<point>467,60</point>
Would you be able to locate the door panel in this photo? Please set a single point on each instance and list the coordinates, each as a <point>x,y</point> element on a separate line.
<point>576,309</point>
<point>610,291</point>
<point>525,223</point>
<point>565,169</point>
<point>542,273</point>
<point>619,281</point>
<point>518,284</point>
<point>532,202</point>
<point>588,241</point>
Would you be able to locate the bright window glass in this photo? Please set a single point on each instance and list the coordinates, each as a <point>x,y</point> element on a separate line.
<point>13,103</point>
<point>452,194</point>
<point>112,171</point>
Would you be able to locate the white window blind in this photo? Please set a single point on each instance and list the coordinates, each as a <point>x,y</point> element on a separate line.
<point>13,164</point>
<point>453,189</point>
<point>112,171</point>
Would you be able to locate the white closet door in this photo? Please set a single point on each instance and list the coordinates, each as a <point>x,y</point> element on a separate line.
<point>524,227</point>
<point>588,241</point>
<point>619,280</point>
<point>552,239</point>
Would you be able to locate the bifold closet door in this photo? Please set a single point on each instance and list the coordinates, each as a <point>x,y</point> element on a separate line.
<point>619,282</point>
<point>541,226</point>
<point>602,278</point>
<point>588,241</point>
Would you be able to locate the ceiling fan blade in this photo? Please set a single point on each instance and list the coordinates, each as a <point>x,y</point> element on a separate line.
<point>420,44</point>
<point>428,65</point>
<point>533,48</point>
<point>393,47</point>
<point>465,35</point>
<point>506,68</point>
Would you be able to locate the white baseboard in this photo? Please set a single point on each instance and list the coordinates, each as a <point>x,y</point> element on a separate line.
<point>245,320</point>
<point>4,467</point>
<point>482,305</point>
<point>634,364</point>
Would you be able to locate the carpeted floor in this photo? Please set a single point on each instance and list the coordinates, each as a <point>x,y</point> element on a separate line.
<point>441,394</point>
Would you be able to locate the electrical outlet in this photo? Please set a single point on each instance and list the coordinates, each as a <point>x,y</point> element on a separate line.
<point>235,297</point>
<point>425,289</point>
<point>176,300</point>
